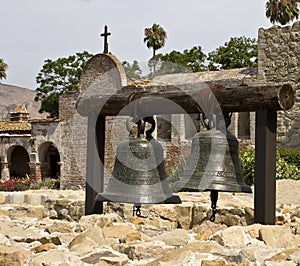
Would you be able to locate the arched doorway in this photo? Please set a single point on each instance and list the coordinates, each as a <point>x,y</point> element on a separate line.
<point>49,158</point>
<point>18,160</point>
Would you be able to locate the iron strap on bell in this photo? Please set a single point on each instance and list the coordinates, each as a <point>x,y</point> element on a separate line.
<point>139,175</point>
<point>213,164</point>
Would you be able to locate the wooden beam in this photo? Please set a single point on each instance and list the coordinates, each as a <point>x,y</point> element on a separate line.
<point>237,99</point>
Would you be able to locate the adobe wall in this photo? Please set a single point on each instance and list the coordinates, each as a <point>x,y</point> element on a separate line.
<point>279,62</point>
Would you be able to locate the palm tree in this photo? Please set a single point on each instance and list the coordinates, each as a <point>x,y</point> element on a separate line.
<point>3,68</point>
<point>282,11</point>
<point>155,37</point>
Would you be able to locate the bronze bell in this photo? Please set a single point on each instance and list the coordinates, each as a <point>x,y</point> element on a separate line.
<point>139,175</point>
<point>213,164</point>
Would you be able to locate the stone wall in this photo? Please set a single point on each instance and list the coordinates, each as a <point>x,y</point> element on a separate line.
<point>279,62</point>
<point>73,142</point>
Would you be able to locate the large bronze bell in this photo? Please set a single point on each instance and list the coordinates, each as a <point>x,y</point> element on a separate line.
<point>213,164</point>
<point>139,175</point>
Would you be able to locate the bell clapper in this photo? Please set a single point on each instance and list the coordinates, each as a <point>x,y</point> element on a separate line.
<point>137,210</point>
<point>214,199</point>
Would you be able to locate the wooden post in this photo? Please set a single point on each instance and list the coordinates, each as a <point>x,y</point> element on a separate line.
<point>265,167</point>
<point>95,163</point>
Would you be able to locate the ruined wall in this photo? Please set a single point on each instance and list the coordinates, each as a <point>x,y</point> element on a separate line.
<point>279,62</point>
<point>72,143</point>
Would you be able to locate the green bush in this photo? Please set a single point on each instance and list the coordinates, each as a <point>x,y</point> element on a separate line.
<point>287,164</point>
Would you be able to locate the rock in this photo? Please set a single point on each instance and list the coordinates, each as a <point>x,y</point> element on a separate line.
<point>12,256</point>
<point>164,212</point>
<point>2,198</point>
<point>199,214</point>
<point>90,236</point>
<point>81,240</point>
<point>233,236</point>
<point>288,254</point>
<point>137,221</point>
<point>43,247</point>
<point>198,250</point>
<point>105,256</point>
<point>279,236</point>
<point>213,263</point>
<point>257,252</point>
<point>184,215</point>
<point>55,257</point>
<point>123,232</point>
<point>209,226</point>
<point>141,251</point>
<point>177,237</point>
<point>60,227</point>
<point>203,235</point>
<point>118,261</point>
<point>100,220</point>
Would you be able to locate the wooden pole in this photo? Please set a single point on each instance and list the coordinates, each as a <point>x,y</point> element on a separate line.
<point>265,167</point>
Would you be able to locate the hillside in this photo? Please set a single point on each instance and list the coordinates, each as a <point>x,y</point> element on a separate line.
<point>11,96</point>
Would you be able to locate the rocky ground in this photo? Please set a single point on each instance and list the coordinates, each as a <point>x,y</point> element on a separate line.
<point>48,228</point>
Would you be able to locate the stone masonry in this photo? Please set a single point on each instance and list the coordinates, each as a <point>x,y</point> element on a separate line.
<point>279,62</point>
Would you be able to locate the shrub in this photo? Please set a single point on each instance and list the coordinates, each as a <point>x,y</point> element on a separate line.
<point>287,164</point>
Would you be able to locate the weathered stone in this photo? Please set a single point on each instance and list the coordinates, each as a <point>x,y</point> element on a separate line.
<point>184,215</point>
<point>209,226</point>
<point>137,221</point>
<point>59,227</point>
<point>43,247</point>
<point>82,240</point>
<point>177,255</point>
<point>165,212</point>
<point>118,231</point>
<point>277,236</point>
<point>55,257</point>
<point>203,235</point>
<point>118,261</point>
<point>100,220</point>
<point>146,250</point>
<point>233,236</point>
<point>95,234</point>
<point>213,263</point>
<point>12,256</point>
<point>177,237</point>
<point>287,254</point>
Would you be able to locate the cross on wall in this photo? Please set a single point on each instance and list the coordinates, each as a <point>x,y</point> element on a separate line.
<point>105,35</point>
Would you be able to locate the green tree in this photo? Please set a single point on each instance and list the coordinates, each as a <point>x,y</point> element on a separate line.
<point>132,70</point>
<point>237,53</point>
<point>155,38</point>
<point>57,77</point>
<point>282,11</point>
<point>3,68</point>
<point>192,60</point>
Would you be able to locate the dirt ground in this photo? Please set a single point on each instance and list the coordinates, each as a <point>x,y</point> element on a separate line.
<point>288,191</point>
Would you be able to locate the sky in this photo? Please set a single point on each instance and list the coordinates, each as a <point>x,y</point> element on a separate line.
<point>35,30</point>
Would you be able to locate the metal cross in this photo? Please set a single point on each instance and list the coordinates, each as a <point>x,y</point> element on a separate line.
<point>105,35</point>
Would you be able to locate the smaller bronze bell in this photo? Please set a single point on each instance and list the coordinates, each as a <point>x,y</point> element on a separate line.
<point>213,164</point>
<point>139,175</point>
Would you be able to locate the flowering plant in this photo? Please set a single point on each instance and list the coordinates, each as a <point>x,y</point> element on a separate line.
<point>21,184</point>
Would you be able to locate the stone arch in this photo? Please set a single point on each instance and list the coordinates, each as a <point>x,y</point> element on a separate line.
<point>18,161</point>
<point>49,158</point>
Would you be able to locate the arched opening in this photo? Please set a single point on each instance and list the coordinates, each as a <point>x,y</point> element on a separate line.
<point>18,159</point>
<point>50,160</point>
